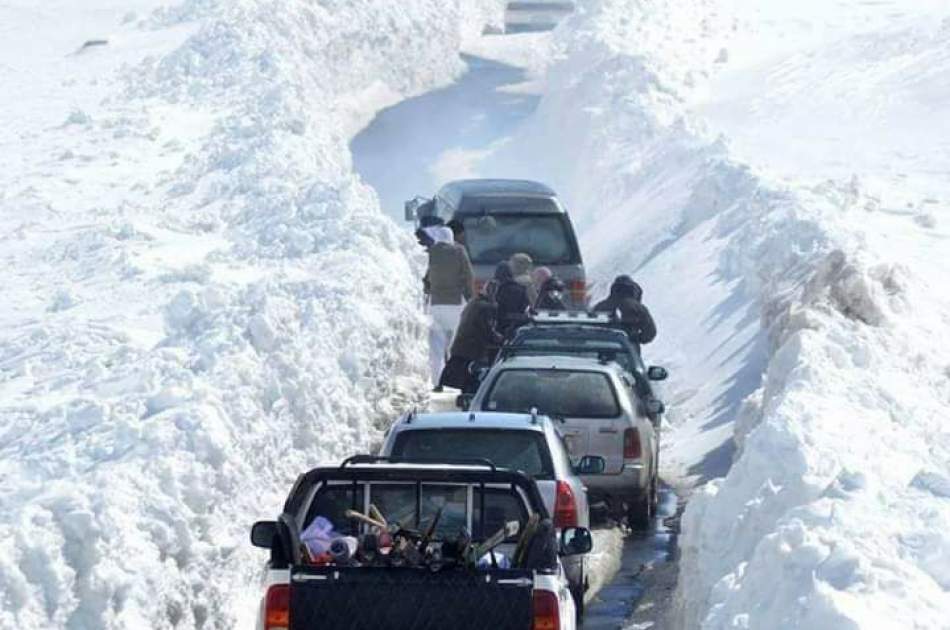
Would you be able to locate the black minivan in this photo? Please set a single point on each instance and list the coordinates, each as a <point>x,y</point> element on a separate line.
<point>503,217</point>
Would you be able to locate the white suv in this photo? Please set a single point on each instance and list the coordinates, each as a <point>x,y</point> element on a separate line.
<point>598,412</point>
<point>527,443</point>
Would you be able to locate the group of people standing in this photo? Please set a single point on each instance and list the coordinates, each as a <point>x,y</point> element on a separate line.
<point>469,326</point>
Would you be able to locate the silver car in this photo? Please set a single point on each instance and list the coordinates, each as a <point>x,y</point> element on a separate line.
<point>598,412</point>
<point>529,443</point>
<point>497,218</point>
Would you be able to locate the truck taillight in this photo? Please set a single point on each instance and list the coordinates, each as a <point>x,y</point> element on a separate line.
<point>578,290</point>
<point>277,607</point>
<point>631,444</point>
<point>546,614</point>
<point>565,507</point>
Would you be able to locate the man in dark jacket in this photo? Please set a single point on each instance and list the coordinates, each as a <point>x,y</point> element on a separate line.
<point>512,299</point>
<point>475,341</point>
<point>624,304</point>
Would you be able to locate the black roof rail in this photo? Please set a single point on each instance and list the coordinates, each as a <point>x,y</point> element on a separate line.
<point>449,461</point>
<point>363,459</point>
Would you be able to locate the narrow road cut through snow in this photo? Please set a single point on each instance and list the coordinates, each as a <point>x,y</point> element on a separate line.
<point>412,147</point>
<point>418,144</point>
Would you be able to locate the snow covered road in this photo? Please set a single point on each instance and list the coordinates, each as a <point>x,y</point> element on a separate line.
<point>203,298</point>
<point>413,147</point>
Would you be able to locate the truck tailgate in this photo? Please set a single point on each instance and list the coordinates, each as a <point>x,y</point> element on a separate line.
<point>332,598</point>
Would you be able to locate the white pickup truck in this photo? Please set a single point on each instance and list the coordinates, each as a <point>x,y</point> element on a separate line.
<point>426,584</point>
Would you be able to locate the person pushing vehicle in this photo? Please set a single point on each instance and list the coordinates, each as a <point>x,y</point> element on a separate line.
<point>476,340</point>
<point>512,299</point>
<point>624,302</point>
<point>449,283</point>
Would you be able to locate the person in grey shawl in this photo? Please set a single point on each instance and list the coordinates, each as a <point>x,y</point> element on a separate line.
<point>449,283</point>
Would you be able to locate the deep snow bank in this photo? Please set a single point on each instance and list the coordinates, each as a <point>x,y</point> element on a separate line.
<point>788,320</point>
<point>203,299</point>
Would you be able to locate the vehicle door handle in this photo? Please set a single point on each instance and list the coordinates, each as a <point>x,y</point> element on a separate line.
<point>607,430</point>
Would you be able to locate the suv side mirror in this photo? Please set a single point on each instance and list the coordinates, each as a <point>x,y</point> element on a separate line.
<point>464,401</point>
<point>657,373</point>
<point>576,541</point>
<point>591,465</point>
<point>655,407</point>
<point>412,208</point>
<point>263,534</point>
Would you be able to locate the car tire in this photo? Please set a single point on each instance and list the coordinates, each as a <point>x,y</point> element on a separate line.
<point>577,592</point>
<point>655,490</point>
<point>641,509</point>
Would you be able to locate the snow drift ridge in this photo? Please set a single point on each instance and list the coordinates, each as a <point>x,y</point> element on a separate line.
<point>775,312</point>
<point>132,470</point>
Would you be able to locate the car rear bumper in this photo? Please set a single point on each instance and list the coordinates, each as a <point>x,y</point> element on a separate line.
<point>632,478</point>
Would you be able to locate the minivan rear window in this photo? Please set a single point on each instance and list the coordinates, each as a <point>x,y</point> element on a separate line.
<point>517,450</point>
<point>558,393</point>
<point>492,238</point>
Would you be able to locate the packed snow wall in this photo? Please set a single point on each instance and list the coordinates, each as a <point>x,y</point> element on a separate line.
<point>799,342</point>
<point>201,299</point>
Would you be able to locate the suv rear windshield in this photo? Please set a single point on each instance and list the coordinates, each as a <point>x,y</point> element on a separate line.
<point>517,450</point>
<point>594,348</point>
<point>492,238</point>
<point>558,393</point>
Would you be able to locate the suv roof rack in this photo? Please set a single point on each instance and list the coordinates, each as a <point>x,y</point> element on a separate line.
<point>353,460</point>
<point>571,317</point>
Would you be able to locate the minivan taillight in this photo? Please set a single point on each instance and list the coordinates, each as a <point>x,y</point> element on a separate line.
<point>565,507</point>
<point>277,607</point>
<point>546,615</point>
<point>631,444</point>
<point>578,290</point>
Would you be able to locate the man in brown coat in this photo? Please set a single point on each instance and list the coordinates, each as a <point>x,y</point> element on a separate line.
<point>449,283</point>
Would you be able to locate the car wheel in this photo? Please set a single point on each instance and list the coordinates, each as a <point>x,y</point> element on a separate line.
<point>640,510</point>
<point>655,495</point>
<point>577,592</point>
<point>655,489</point>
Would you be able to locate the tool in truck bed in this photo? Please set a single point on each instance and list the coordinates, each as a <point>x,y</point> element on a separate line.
<point>469,546</point>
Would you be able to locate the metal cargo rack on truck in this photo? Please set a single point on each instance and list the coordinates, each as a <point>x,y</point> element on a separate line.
<point>302,595</point>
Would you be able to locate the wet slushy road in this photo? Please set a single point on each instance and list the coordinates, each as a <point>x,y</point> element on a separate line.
<point>614,606</point>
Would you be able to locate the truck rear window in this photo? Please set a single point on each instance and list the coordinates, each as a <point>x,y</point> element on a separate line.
<point>557,393</point>
<point>492,238</point>
<point>526,451</point>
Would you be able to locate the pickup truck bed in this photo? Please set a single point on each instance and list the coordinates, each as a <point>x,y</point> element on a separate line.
<point>332,598</point>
